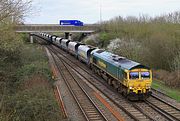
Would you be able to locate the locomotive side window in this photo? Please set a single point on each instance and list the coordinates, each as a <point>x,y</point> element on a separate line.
<point>134,75</point>
<point>145,75</point>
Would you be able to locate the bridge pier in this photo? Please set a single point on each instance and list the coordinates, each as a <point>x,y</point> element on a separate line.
<point>31,39</point>
<point>68,35</point>
<point>83,35</point>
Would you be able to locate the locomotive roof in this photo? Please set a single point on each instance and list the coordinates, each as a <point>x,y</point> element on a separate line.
<point>118,60</point>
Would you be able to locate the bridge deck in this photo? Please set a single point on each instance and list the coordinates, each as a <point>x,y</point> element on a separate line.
<point>29,28</point>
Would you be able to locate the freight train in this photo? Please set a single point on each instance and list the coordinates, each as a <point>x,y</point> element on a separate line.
<point>131,79</point>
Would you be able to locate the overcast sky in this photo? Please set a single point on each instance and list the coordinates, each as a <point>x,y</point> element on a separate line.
<point>88,11</point>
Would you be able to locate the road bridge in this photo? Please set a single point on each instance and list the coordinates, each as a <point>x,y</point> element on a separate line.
<point>32,28</point>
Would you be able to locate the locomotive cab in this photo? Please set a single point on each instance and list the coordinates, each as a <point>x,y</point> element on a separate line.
<point>139,82</point>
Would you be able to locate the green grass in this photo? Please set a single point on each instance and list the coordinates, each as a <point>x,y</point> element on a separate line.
<point>173,93</point>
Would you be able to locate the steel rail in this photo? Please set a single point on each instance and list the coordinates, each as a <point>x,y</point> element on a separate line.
<point>88,116</point>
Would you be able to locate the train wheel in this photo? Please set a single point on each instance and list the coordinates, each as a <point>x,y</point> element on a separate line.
<point>99,72</point>
<point>119,90</point>
<point>124,93</point>
<point>110,81</point>
<point>93,69</point>
<point>90,66</point>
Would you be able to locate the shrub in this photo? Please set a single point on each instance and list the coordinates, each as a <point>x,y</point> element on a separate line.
<point>175,65</point>
<point>33,104</point>
<point>26,93</point>
<point>130,49</point>
<point>158,39</point>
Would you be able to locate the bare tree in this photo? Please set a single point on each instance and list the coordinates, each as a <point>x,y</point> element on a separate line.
<point>14,10</point>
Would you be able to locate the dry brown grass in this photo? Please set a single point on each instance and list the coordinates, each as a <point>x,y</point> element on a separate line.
<point>171,79</point>
<point>36,80</point>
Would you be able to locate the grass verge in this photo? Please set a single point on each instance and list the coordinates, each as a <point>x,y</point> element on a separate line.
<point>172,92</point>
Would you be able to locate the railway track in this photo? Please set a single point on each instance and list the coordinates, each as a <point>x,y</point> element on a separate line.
<point>89,109</point>
<point>159,92</point>
<point>168,110</point>
<point>156,116</point>
<point>159,108</point>
<point>130,109</point>
<point>165,97</point>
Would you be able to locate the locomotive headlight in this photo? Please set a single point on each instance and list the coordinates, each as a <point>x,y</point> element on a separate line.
<point>130,87</point>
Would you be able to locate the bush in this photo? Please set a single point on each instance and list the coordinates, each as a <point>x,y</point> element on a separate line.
<point>100,40</point>
<point>127,48</point>
<point>27,86</point>
<point>104,40</point>
<point>158,39</point>
<point>34,68</point>
<point>92,40</point>
<point>175,65</point>
<point>33,104</point>
<point>171,79</point>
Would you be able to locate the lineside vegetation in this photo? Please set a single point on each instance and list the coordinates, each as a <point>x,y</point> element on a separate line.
<point>26,92</point>
<point>25,84</point>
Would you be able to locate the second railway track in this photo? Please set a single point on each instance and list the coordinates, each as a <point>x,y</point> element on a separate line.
<point>168,110</point>
<point>89,109</point>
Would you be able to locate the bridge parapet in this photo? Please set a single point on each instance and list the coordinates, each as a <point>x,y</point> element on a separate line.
<point>30,28</point>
